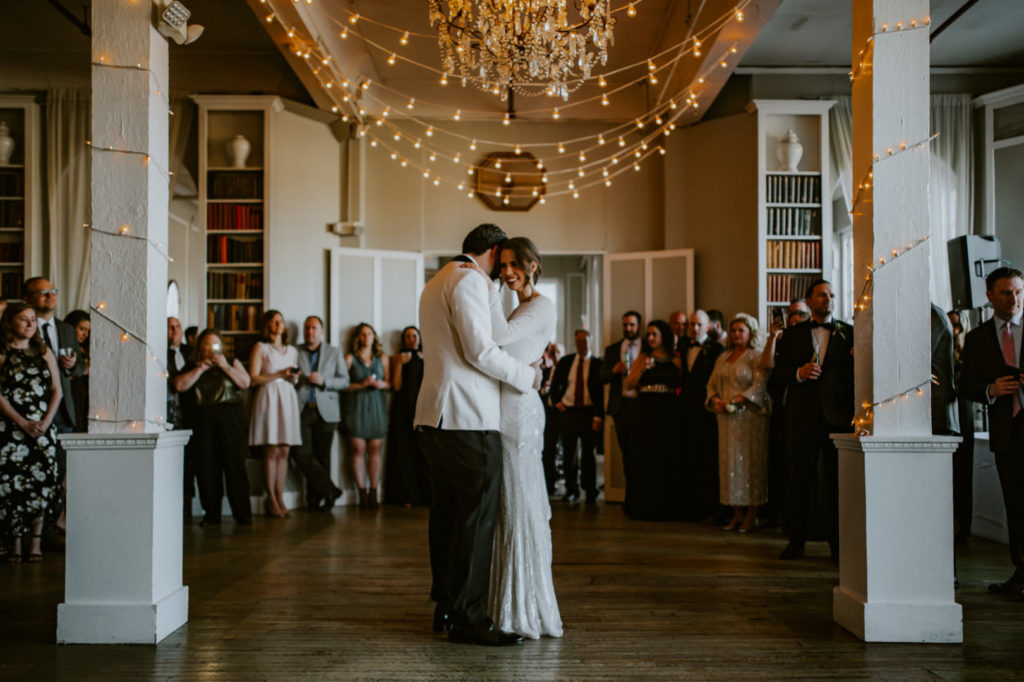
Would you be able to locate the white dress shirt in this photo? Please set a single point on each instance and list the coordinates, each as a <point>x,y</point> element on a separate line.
<point>569,399</point>
<point>1016,332</point>
<point>694,350</point>
<point>628,352</point>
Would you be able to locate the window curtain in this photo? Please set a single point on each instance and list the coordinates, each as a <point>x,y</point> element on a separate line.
<point>69,195</point>
<point>951,188</point>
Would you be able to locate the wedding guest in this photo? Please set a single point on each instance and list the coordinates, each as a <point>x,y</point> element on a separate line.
<point>214,385</point>
<point>406,482</point>
<point>654,488</point>
<point>715,329</point>
<point>993,374</point>
<point>322,374</point>
<point>30,395</point>
<point>736,393</point>
<point>551,456</point>
<point>678,321</point>
<point>80,321</point>
<point>622,401</point>
<point>178,355</point>
<point>700,455</point>
<point>191,334</point>
<point>815,361</point>
<point>364,410</point>
<point>963,456</point>
<point>577,394</point>
<point>275,422</point>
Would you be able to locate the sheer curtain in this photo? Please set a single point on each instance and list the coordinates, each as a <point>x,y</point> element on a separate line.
<point>950,195</point>
<point>69,195</point>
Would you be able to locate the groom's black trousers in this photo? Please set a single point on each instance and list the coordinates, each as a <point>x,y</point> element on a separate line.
<point>465,478</point>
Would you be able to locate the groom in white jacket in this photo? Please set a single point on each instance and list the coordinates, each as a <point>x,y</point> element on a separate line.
<point>457,415</point>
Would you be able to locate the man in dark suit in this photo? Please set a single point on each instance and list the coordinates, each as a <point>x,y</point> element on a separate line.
<point>178,355</point>
<point>550,455</point>
<point>700,428</point>
<point>61,338</point>
<point>323,374</point>
<point>993,374</point>
<point>815,363</point>
<point>577,393</point>
<point>622,406</point>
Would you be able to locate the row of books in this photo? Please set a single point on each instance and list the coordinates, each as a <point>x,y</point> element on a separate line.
<point>235,185</point>
<point>12,213</point>
<point>794,221</point>
<point>12,182</point>
<point>243,317</point>
<point>10,285</point>
<point>224,249</point>
<point>785,288</point>
<point>794,255</point>
<point>234,217</point>
<point>238,345</point>
<point>794,189</point>
<point>234,285</point>
<point>12,252</point>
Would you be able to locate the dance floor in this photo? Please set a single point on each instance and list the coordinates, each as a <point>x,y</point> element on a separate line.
<point>319,597</point>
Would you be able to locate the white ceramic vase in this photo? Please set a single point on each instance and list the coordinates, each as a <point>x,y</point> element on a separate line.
<point>6,144</point>
<point>789,151</point>
<point>238,151</point>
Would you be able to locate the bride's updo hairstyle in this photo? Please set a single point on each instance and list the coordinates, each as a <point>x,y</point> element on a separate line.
<point>525,252</point>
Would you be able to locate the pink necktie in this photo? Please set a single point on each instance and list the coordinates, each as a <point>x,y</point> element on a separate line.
<point>1009,356</point>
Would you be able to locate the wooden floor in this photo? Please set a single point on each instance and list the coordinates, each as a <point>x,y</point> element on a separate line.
<point>345,596</point>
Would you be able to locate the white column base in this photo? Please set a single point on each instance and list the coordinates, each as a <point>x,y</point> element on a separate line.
<point>896,539</point>
<point>123,566</point>
<point>122,623</point>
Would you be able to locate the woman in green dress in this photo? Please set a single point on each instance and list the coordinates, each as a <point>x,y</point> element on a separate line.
<point>364,411</point>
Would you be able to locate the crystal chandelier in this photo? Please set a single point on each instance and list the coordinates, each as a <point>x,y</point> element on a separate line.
<point>523,44</point>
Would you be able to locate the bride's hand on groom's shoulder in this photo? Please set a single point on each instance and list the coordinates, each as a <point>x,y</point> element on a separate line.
<point>487,276</point>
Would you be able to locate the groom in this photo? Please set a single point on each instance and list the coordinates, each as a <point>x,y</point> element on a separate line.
<point>457,415</point>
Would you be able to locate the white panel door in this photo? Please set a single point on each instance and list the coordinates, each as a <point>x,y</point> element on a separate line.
<point>379,287</point>
<point>653,283</point>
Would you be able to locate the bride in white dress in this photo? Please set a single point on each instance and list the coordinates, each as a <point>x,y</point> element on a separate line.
<point>522,593</point>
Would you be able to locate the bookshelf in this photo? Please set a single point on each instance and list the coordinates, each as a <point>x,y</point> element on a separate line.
<point>19,207</point>
<point>794,206</point>
<point>233,207</point>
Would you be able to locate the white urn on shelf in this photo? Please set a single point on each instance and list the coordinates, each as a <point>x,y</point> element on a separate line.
<point>6,144</point>
<point>238,151</point>
<point>789,151</point>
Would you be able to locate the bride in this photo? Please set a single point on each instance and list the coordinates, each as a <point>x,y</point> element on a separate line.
<point>522,594</point>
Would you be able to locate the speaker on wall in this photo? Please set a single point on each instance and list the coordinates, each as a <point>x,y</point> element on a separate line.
<point>971,259</point>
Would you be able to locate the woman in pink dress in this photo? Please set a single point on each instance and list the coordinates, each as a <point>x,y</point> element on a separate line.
<point>275,425</point>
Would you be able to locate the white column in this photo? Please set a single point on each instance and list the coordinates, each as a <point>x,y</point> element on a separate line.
<point>895,479</point>
<point>124,506</point>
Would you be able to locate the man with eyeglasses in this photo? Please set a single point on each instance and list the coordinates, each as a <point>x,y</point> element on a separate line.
<point>39,293</point>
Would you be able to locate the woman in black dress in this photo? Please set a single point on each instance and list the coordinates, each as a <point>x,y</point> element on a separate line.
<point>405,468</point>
<point>29,397</point>
<point>652,493</point>
<point>217,420</point>
<point>79,320</point>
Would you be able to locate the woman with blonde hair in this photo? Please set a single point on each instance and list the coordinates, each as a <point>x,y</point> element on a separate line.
<point>737,394</point>
<point>364,414</point>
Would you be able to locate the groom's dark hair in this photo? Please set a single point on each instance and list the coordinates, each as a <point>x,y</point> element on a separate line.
<point>482,239</point>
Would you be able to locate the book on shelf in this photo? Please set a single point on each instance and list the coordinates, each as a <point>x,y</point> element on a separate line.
<point>794,189</point>
<point>12,252</point>
<point>234,217</point>
<point>12,182</point>
<point>231,184</point>
<point>784,288</point>
<point>240,317</point>
<point>12,213</point>
<point>223,249</point>
<point>246,284</point>
<point>794,221</point>
<point>10,285</point>
<point>793,255</point>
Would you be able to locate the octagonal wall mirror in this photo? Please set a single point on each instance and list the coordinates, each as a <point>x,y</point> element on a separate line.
<point>507,181</point>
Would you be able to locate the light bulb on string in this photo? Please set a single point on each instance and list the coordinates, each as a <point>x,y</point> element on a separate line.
<point>561,148</point>
<point>404,40</point>
<point>430,132</point>
<point>600,139</point>
<point>602,82</point>
<point>555,115</point>
<point>604,100</point>
<point>458,115</point>
<point>631,10</point>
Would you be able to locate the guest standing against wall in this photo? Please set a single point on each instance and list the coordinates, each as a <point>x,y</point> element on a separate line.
<point>81,323</point>
<point>700,456</point>
<point>406,481</point>
<point>737,395</point>
<point>275,422</point>
<point>364,411</point>
<point>622,405</point>
<point>577,394</point>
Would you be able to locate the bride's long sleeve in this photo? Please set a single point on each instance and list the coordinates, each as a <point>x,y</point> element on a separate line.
<point>530,318</point>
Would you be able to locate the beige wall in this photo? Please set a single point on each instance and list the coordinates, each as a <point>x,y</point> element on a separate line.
<point>711,207</point>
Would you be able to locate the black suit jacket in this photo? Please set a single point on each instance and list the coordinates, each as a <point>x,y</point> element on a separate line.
<point>830,397</point>
<point>560,381</point>
<point>612,356</point>
<point>694,380</point>
<point>944,409</point>
<point>983,363</point>
<point>66,338</point>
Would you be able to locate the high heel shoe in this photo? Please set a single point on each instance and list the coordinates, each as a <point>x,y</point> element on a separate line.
<point>373,502</point>
<point>732,525</point>
<point>272,509</point>
<point>364,500</point>
<point>36,557</point>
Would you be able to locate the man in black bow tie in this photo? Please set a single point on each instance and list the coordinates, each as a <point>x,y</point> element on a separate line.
<point>815,364</point>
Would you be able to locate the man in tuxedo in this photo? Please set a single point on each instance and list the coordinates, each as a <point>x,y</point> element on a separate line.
<point>323,373</point>
<point>993,374</point>
<point>678,323</point>
<point>458,418</point>
<point>552,355</point>
<point>60,337</point>
<point>815,364</point>
<point>700,427</point>
<point>178,355</point>
<point>577,394</point>
<point>622,403</point>
<point>715,329</point>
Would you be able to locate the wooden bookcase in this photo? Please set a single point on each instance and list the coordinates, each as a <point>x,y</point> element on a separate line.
<point>794,208</point>
<point>19,193</point>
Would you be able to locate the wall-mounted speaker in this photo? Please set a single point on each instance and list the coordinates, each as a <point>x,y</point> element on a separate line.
<point>971,259</point>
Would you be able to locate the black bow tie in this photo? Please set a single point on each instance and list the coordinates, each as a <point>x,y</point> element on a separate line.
<point>825,325</point>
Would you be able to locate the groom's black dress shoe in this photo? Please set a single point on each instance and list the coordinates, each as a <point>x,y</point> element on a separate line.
<point>486,634</point>
<point>794,550</point>
<point>442,620</point>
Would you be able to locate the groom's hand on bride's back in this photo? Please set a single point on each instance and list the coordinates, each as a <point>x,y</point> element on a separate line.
<point>538,375</point>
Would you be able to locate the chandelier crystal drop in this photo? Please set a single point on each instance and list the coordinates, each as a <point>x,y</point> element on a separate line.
<point>523,43</point>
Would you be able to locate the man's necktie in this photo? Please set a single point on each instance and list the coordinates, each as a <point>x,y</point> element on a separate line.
<point>578,395</point>
<point>1009,356</point>
<point>47,337</point>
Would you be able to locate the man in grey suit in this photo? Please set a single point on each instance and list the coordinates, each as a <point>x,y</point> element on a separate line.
<point>61,338</point>
<point>322,374</point>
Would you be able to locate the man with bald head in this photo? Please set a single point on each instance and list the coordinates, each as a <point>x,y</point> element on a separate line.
<point>700,426</point>
<point>678,323</point>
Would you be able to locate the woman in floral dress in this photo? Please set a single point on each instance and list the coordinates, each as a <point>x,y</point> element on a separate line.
<point>29,397</point>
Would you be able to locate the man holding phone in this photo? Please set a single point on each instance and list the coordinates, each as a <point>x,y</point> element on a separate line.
<point>992,374</point>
